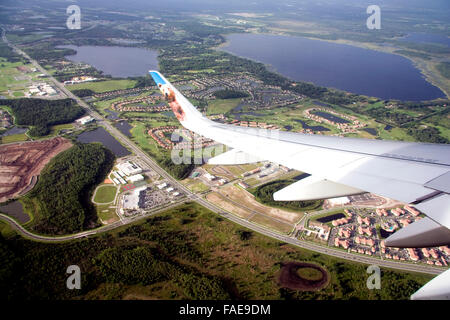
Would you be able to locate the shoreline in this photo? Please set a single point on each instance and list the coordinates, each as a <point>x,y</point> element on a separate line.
<point>424,67</point>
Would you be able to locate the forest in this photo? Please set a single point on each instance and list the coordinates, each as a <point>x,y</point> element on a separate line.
<point>83,93</point>
<point>60,200</point>
<point>264,194</point>
<point>164,258</point>
<point>7,53</point>
<point>41,114</point>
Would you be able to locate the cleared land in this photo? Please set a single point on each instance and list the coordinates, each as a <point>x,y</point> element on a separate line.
<point>104,86</point>
<point>240,196</point>
<point>21,163</point>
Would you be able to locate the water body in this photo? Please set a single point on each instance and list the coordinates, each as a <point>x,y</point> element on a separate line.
<point>330,117</point>
<point>14,130</point>
<point>250,113</point>
<point>103,136</point>
<point>15,210</point>
<point>118,61</point>
<point>313,128</point>
<point>331,218</point>
<point>427,38</point>
<point>372,131</point>
<point>345,67</point>
<point>112,114</point>
<point>124,127</point>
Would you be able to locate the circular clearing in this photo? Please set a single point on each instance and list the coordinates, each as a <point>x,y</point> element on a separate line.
<point>105,194</point>
<point>303,276</point>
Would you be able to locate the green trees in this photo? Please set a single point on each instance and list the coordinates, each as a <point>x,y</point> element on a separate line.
<point>61,197</point>
<point>264,194</point>
<point>41,113</point>
<point>83,92</point>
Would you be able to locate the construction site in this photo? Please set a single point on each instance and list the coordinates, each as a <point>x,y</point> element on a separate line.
<point>21,164</point>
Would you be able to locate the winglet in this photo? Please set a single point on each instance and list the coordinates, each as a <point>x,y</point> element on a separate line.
<point>157,78</point>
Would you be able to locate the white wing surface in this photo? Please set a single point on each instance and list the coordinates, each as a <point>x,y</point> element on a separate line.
<point>414,173</point>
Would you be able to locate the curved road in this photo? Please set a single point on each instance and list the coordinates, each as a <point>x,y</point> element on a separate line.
<point>152,164</point>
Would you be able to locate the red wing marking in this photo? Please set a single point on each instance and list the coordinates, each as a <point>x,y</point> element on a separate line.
<point>177,110</point>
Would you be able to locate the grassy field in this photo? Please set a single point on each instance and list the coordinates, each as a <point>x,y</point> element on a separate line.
<point>310,274</point>
<point>107,214</point>
<point>221,105</point>
<point>198,187</point>
<point>105,194</point>
<point>14,138</point>
<point>8,72</point>
<point>104,86</point>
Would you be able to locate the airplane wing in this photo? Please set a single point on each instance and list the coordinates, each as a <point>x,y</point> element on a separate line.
<point>414,173</point>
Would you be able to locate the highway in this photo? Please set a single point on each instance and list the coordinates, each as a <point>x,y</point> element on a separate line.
<point>152,164</point>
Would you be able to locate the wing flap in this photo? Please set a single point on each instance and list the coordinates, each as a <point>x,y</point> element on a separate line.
<point>233,157</point>
<point>312,188</point>
<point>438,209</point>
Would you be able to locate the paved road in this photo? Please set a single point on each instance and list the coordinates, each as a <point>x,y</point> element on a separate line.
<point>145,158</point>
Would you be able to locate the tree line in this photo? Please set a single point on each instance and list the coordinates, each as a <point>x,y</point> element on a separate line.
<point>41,114</point>
<point>61,198</point>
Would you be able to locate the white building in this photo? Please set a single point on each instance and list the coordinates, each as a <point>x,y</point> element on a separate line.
<point>131,200</point>
<point>135,178</point>
<point>339,201</point>
<point>85,120</point>
<point>209,176</point>
<point>162,186</point>
<point>129,168</point>
<point>170,189</point>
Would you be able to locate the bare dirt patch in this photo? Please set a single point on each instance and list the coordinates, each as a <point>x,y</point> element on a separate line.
<point>240,196</point>
<point>291,278</point>
<point>21,163</point>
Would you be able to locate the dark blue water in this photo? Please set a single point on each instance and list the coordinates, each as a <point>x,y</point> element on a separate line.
<point>116,61</point>
<point>15,210</point>
<point>313,128</point>
<point>14,130</point>
<point>112,114</point>
<point>124,127</point>
<point>427,38</point>
<point>372,131</point>
<point>330,117</point>
<point>331,218</point>
<point>345,67</point>
<point>103,136</point>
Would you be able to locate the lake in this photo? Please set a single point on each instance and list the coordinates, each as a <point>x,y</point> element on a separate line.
<point>313,128</point>
<point>345,67</point>
<point>103,136</point>
<point>371,131</point>
<point>15,210</point>
<point>331,218</point>
<point>121,62</point>
<point>427,38</point>
<point>330,117</point>
<point>124,127</point>
<point>14,130</point>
